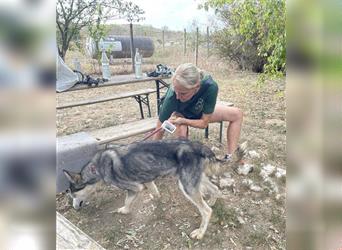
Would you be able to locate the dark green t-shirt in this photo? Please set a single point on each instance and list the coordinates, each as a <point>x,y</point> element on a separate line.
<point>203,102</point>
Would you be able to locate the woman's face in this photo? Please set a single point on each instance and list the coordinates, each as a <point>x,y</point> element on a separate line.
<point>183,94</point>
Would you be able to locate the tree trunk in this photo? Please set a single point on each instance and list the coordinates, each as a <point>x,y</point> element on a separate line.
<point>65,46</point>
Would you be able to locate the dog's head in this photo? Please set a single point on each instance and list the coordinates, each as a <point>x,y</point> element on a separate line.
<point>81,184</point>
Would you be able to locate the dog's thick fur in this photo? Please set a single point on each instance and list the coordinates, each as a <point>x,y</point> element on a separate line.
<point>137,165</point>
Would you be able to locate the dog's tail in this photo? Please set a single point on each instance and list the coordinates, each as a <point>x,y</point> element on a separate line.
<point>217,166</point>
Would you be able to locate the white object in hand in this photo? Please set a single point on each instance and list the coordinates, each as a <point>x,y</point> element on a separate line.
<point>169,127</point>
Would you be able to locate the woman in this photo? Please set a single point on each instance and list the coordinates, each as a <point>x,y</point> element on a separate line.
<point>191,101</point>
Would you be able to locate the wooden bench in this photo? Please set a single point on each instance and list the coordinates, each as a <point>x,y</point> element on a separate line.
<point>124,80</point>
<point>141,96</point>
<point>114,133</point>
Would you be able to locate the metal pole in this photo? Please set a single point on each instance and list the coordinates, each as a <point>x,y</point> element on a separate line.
<point>163,39</point>
<point>184,41</point>
<point>140,106</point>
<point>132,46</point>
<point>208,41</point>
<point>196,46</point>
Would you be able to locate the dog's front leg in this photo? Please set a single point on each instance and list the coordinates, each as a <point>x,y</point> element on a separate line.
<point>151,186</point>
<point>210,189</point>
<point>130,197</point>
<point>205,211</point>
<point>196,198</point>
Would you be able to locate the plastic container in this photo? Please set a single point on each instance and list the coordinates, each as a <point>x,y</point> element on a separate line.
<point>105,65</point>
<point>137,63</point>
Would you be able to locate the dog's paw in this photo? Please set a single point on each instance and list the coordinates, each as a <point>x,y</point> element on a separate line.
<point>197,234</point>
<point>123,210</point>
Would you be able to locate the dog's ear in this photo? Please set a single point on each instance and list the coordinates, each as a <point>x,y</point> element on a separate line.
<point>107,159</point>
<point>72,177</point>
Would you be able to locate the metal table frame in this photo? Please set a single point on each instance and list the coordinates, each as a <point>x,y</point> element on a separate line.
<point>159,85</point>
<point>130,79</point>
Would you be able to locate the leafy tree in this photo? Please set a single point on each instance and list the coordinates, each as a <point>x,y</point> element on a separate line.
<point>254,32</point>
<point>73,15</point>
<point>129,11</point>
<point>132,13</point>
<point>99,29</point>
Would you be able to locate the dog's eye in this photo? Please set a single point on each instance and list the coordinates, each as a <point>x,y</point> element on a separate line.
<point>74,189</point>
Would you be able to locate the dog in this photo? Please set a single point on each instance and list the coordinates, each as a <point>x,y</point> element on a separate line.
<point>135,166</point>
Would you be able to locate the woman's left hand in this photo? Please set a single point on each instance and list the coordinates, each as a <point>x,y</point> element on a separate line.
<point>177,120</point>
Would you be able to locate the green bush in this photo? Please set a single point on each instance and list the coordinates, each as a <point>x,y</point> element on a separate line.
<point>245,54</point>
<point>253,34</point>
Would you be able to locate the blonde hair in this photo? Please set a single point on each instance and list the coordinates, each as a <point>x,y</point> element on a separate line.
<point>188,75</point>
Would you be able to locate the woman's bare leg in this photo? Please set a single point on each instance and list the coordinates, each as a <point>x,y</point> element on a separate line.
<point>234,116</point>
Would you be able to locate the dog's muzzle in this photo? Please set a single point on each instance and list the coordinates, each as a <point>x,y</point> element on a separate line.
<point>77,203</point>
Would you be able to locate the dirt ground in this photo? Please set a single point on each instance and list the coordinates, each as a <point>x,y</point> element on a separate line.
<point>245,218</point>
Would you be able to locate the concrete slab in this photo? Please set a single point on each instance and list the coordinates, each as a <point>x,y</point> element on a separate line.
<point>73,152</point>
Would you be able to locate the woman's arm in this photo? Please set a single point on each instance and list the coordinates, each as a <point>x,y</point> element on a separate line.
<point>159,135</point>
<point>196,123</point>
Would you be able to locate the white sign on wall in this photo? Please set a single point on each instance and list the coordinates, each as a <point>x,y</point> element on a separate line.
<point>109,45</point>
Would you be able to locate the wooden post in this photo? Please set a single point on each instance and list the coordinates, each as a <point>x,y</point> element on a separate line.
<point>184,41</point>
<point>208,41</point>
<point>196,51</point>
<point>132,46</point>
<point>163,39</point>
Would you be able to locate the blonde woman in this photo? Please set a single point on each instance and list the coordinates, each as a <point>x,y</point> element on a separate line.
<point>191,101</point>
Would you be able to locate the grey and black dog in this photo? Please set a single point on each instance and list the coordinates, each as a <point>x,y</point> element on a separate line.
<point>135,166</point>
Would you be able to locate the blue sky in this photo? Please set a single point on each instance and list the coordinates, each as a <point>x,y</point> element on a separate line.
<point>175,14</point>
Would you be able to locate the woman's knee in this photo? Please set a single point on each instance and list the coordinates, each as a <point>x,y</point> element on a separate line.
<point>239,114</point>
<point>233,114</point>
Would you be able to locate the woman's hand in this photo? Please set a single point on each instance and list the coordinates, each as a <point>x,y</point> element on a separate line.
<point>177,119</point>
